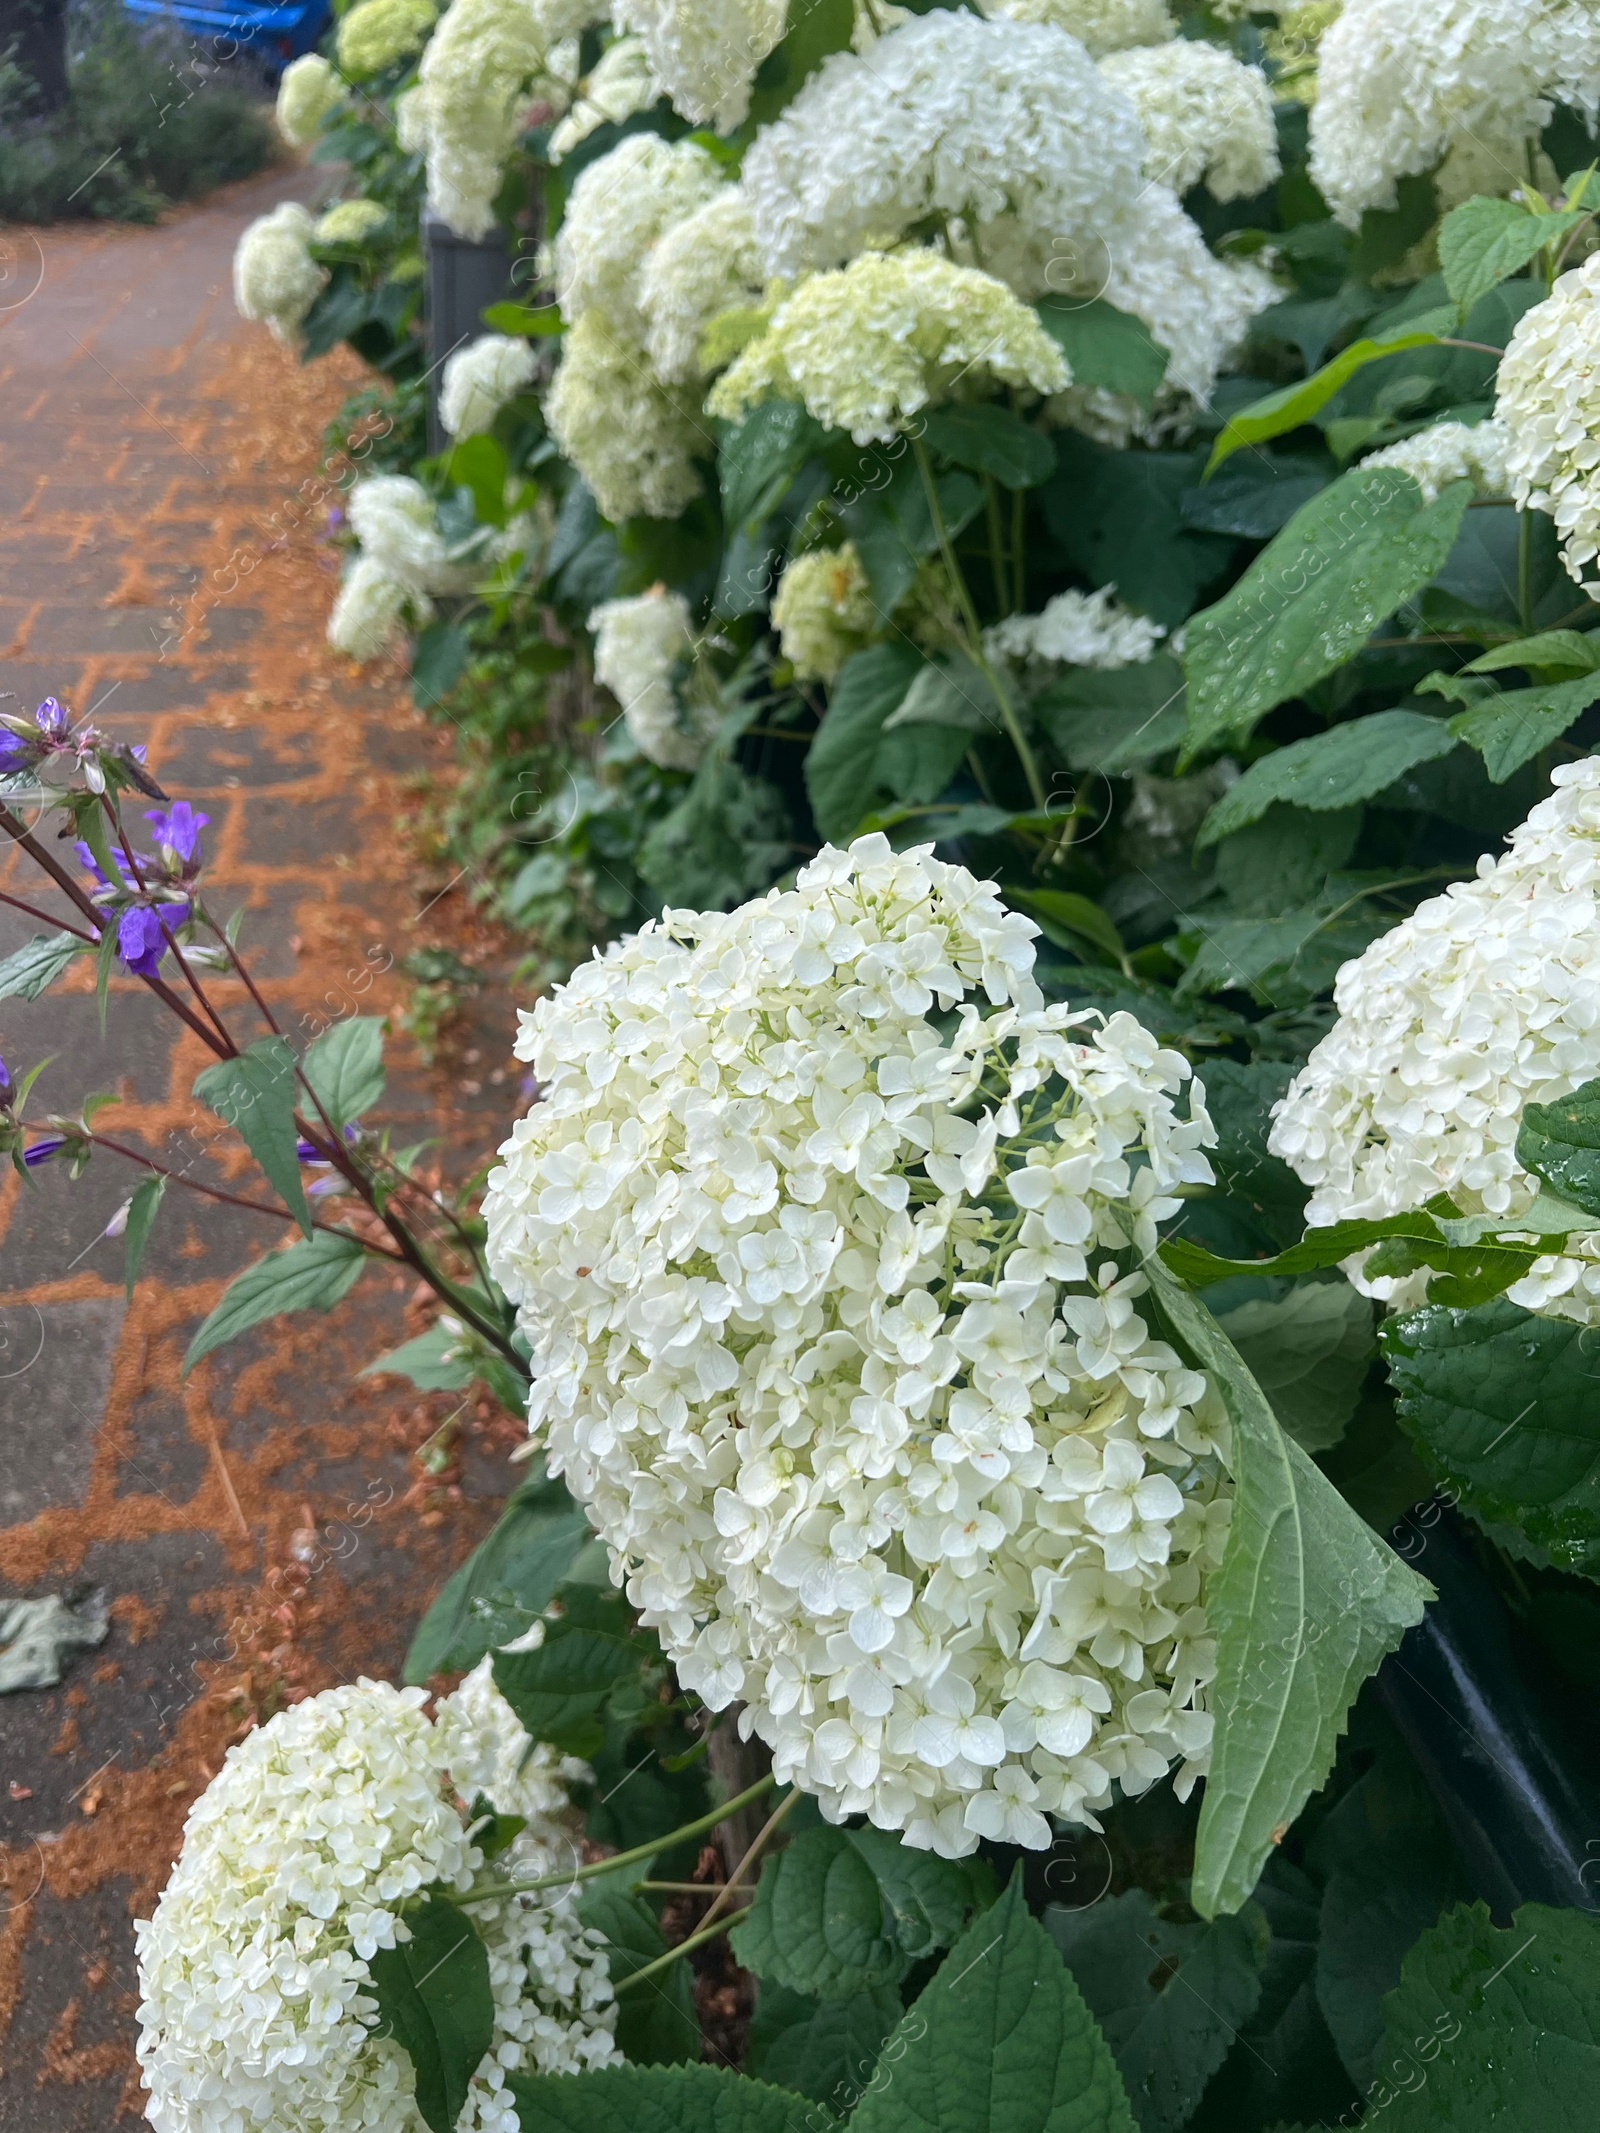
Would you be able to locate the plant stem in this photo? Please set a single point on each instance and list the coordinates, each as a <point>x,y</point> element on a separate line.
<point>45,919</point>
<point>684,1947</point>
<point>231,1199</point>
<point>1019,596</point>
<point>113,813</point>
<point>1002,696</point>
<point>997,560</point>
<point>763,1837</point>
<point>757,1791</point>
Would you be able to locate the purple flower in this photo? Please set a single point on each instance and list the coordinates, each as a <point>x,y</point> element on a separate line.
<point>5,1082</point>
<point>140,941</point>
<point>86,858</point>
<point>177,831</point>
<point>41,1151</point>
<point>13,752</point>
<point>52,720</point>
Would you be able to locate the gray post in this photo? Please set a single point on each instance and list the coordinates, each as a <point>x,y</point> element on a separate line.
<point>464,278</point>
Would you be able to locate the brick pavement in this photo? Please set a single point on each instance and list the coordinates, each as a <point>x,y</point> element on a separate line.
<point>263,1525</point>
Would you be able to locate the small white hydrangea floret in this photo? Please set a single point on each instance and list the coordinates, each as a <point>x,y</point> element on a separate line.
<point>639,645</point>
<point>1205,115</point>
<point>307,93</point>
<point>619,207</point>
<point>480,379</point>
<point>1485,1000</point>
<point>824,1235</point>
<point>705,53</point>
<point>867,347</point>
<point>1103,25</point>
<point>1077,629</point>
<point>633,441</point>
<point>704,265</point>
<point>824,610</point>
<point>1452,451</point>
<point>1549,407</point>
<point>621,84</point>
<point>350,222</point>
<point>257,2004</point>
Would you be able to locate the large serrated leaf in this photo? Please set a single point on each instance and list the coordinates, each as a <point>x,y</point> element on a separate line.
<point>840,761</point>
<point>345,1067</point>
<point>1560,1143</point>
<point>560,1685</point>
<point>1484,241</point>
<point>36,965</point>
<point>1105,346</point>
<point>435,2000</point>
<point>1502,1406</point>
<point>1309,1352</point>
<point>1346,560</point>
<point>1305,1604</point>
<point>1511,728</point>
<point>992,440</point>
<point>255,1094</point>
<point>142,1211</point>
<point>1000,2042</point>
<point>1331,771</point>
<point>656,2023</point>
<point>310,1276</point>
<point>661,2099</point>
<point>824,2048</point>
<point>524,1559</point>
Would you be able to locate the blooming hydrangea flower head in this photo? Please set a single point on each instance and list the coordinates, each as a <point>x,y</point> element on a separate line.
<point>634,442</point>
<point>824,1234</point>
<point>1401,81</point>
<point>1204,114</point>
<point>619,207</point>
<point>298,1860</point>
<point>704,265</point>
<point>275,278</point>
<point>868,346</point>
<point>1452,451</point>
<point>1549,406</point>
<point>380,33</point>
<point>639,646</point>
<point>621,83</point>
<point>308,91</point>
<point>350,222</point>
<point>1485,1000</point>
<point>480,379</point>
<point>705,53</point>
<point>1077,629</point>
<point>393,518</point>
<point>367,611</point>
<point>1103,25</point>
<point>823,611</point>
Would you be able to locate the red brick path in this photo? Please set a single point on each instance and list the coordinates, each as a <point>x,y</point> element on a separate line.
<point>262,1526</point>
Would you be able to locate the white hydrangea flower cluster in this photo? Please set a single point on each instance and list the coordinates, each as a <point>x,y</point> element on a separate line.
<point>619,207</point>
<point>307,92</point>
<point>350,222</point>
<point>1401,81</point>
<point>634,442</point>
<point>1205,115</point>
<point>824,610</point>
<point>402,564</point>
<point>705,53</point>
<point>622,83</point>
<point>480,379</point>
<point>1549,406</point>
<point>868,346</point>
<point>367,611</point>
<point>639,645</point>
<point>1077,629</point>
<point>1485,1000</point>
<point>1013,135</point>
<point>704,265</point>
<point>380,33</point>
<point>811,1233</point>
<point>257,2006</point>
<point>1452,451</point>
<point>1103,25</point>
<point>275,278</point>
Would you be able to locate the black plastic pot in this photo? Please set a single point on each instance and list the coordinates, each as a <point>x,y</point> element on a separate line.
<point>464,277</point>
<point>1486,1726</point>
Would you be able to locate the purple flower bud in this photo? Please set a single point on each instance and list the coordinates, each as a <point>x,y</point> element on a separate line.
<point>41,1151</point>
<point>5,1081</point>
<point>308,1154</point>
<point>52,720</point>
<point>177,831</point>
<point>140,942</point>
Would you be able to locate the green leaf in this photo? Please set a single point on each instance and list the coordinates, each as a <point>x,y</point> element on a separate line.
<point>990,439</point>
<point>434,1999</point>
<point>478,465</point>
<point>1351,556</point>
<point>1501,1405</point>
<point>1282,962</point>
<point>1309,1352</point>
<point>1317,1250</point>
<point>563,1683</point>
<point>255,1094</point>
<point>1069,920</point>
<point>1305,1604</point>
<point>1170,1998</point>
<point>493,1832</point>
<point>439,656</point>
<point>1240,1099</point>
<point>1286,857</point>
<point>725,840</point>
<point>892,526</point>
<point>36,965</point>
<point>104,963</point>
<point>1575,650</point>
<point>950,690</point>
<point>1331,770</point>
<point>530,321</point>
<point>525,1558</point>
<point>815,31</point>
<point>434,1361</point>
<point>826,2049</point>
<point>1115,721</point>
<point>661,2099</point>
<point>309,1276</point>
<point>656,2024</point>
<point>840,1911</point>
<point>1510,729</point>
<point>1484,241</point>
<point>1105,346</point>
<point>760,458</point>
<point>1494,2027</point>
<point>142,1211</point>
<point>345,1067</point>
<point>1294,405</point>
<point>1115,517</point>
<point>1560,1143</point>
<point>999,2042</point>
<point>840,761</point>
